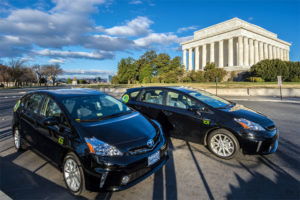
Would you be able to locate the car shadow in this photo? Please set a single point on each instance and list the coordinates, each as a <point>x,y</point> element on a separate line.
<point>259,186</point>
<point>20,183</point>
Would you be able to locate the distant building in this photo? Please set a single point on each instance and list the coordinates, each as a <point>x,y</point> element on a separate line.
<point>74,82</point>
<point>233,45</point>
<point>109,78</point>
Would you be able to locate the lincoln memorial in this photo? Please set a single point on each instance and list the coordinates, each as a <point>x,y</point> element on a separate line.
<point>233,45</point>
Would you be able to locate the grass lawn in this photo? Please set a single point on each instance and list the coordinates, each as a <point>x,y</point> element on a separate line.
<point>204,85</point>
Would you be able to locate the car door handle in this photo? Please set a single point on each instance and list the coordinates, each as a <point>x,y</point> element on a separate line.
<point>167,113</point>
<point>138,107</point>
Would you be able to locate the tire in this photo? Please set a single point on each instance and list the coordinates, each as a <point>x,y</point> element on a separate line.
<point>223,144</point>
<point>75,188</point>
<point>17,136</point>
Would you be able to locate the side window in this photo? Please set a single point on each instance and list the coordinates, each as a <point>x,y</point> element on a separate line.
<point>51,109</point>
<point>178,100</point>
<point>153,96</point>
<point>33,103</point>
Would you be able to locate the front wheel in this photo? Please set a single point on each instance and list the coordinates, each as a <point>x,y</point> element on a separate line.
<point>73,174</point>
<point>223,144</point>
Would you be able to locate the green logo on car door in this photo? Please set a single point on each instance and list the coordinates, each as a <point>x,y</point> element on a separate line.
<point>125,98</point>
<point>61,140</point>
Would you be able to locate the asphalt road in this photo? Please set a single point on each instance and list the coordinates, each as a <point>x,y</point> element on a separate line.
<point>191,173</point>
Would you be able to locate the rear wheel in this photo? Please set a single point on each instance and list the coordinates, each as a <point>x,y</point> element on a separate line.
<point>73,174</point>
<point>17,140</point>
<point>223,144</point>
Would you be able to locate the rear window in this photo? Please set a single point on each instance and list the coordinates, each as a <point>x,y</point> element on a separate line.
<point>133,95</point>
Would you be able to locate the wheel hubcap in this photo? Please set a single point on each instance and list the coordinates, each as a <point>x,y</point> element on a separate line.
<point>222,145</point>
<point>17,139</point>
<point>72,175</point>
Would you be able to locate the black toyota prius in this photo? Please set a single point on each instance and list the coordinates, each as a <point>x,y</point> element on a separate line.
<point>97,141</point>
<point>198,116</point>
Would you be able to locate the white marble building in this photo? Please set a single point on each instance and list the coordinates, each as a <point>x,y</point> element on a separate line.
<point>234,44</point>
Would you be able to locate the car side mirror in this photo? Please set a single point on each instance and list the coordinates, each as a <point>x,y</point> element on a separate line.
<point>50,121</point>
<point>195,109</point>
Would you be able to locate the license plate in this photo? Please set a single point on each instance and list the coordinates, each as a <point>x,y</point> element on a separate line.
<point>153,158</point>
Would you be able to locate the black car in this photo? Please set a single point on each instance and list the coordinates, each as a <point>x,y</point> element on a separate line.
<point>97,141</point>
<point>201,117</point>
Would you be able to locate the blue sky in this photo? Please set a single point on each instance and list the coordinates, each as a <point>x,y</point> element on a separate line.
<point>93,35</point>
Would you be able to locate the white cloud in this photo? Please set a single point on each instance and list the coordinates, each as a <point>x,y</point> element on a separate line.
<point>73,54</point>
<point>58,61</point>
<point>184,29</point>
<point>135,2</point>
<point>250,18</point>
<point>135,27</point>
<point>156,38</point>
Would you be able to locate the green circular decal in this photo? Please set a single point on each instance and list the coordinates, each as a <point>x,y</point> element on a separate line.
<point>125,98</point>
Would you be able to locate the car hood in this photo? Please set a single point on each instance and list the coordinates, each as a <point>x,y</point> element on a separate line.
<point>124,132</point>
<point>240,111</point>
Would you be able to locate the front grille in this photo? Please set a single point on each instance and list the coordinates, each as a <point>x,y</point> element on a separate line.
<point>145,148</point>
<point>139,173</point>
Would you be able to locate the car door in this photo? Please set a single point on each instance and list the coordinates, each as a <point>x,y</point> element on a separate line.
<point>55,137</point>
<point>28,118</point>
<point>186,116</point>
<point>150,103</point>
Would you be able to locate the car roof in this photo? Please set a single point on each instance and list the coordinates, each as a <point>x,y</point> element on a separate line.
<point>64,93</point>
<point>177,88</point>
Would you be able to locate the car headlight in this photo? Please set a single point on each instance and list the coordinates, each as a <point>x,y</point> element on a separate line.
<point>249,124</point>
<point>101,148</point>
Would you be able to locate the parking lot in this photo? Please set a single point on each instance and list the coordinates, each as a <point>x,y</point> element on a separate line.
<point>192,172</point>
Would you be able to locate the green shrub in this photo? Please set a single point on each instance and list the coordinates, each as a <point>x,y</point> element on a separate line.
<point>256,79</point>
<point>211,72</point>
<point>155,79</point>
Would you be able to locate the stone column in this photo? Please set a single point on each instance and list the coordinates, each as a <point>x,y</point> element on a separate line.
<point>184,58</point>
<point>288,55</point>
<point>203,56</point>
<point>246,52</point>
<point>190,59</point>
<point>241,51</point>
<point>270,51</point>
<point>261,51</point>
<point>197,59</point>
<point>221,64</point>
<point>278,52</point>
<point>266,56</point>
<point>212,52</point>
<point>251,52</point>
<point>281,54</point>
<point>230,52</point>
<point>274,52</point>
<point>256,55</point>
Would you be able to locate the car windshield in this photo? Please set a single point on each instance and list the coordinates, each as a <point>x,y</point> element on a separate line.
<point>210,99</point>
<point>96,107</point>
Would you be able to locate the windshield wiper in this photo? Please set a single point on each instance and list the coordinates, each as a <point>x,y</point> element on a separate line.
<point>106,117</point>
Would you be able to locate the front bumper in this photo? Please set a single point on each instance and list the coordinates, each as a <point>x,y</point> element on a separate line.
<point>260,145</point>
<point>110,178</point>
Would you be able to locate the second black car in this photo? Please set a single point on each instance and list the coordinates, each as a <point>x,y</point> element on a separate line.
<point>199,116</point>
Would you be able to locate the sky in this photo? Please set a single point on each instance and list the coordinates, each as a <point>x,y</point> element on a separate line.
<point>89,37</point>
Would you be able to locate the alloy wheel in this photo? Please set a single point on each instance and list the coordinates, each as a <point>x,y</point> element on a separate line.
<point>17,139</point>
<point>72,175</point>
<point>222,145</point>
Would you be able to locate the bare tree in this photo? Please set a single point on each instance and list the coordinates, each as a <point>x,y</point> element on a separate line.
<point>39,73</point>
<point>5,74</point>
<point>52,71</point>
<point>16,70</point>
